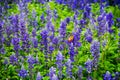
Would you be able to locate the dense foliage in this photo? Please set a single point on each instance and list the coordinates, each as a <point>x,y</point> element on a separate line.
<point>59,40</point>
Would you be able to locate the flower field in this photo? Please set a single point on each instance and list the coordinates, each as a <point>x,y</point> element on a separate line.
<point>59,40</point>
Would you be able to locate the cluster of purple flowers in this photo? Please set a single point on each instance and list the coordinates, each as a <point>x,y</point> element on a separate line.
<point>44,42</point>
<point>39,77</point>
<point>23,73</point>
<point>88,35</point>
<point>69,68</point>
<point>95,50</point>
<point>59,59</point>
<point>31,61</point>
<point>15,42</point>
<point>13,59</point>
<point>88,65</point>
<point>1,38</point>
<point>77,4</point>
<point>52,74</point>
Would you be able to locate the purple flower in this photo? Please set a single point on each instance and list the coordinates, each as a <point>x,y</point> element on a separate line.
<point>42,18</point>
<point>67,20</point>
<point>23,73</point>
<point>76,39</point>
<point>88,35</point>
<point>49,15</point>
<point>118,19</point>
<point>13,59</point>
<point>44,34</point>
<point>15,42</point>
<point>89,78</point>
<point>31,61</point>
<point>59,56</point>
<point>82,23</point>
<point>72,52</point>
<point>2,50</point>
<point>102,24</point>
<point>35,42</point>
<point>9,31</point>
<point>34,32</point>
<point>69,68</point>
<point>88,65</point>
<point>104,43</point>
<point>59,59</point>
<point>52,74</point>
<point>34,23</point>
<point>14,21</point>
<point>89,39</point>
<point>41,1</point>
<point>5,61</point>
<point>61,47</point>
<point>55,14</point>
<point>39,77</point>
<point>44,42</point>
<point>62,29</point>
<point>33,14</point>
<point>55,40</point>
<point>26,1</point>
<point>54,77</point>
<point>59,1</point>
<point>109,18</point>
<point>25,42</point>
<point>95,48</point>
<point>51,48</point>
<point>100,18</point>
<point>107,76</point>
<point>118,22</point>
<point>86,13</point>
<point>117,76</point>
<point>51,36</point>
<point>80,69</point>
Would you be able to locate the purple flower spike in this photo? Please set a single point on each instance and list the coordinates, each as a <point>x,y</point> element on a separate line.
<point>51,48</point>
<point>31,61</point>
<point>80,69</point>
<point>88,35</point>
<point>15,42</point>
<point>69,68</point>
<point>34,32</point>
<point>23,73</point>
<point>62,29</point>
<point>72,52</point>
<point>59,59</point>
<point>118,19</point>
<point>67,20</point>
<point>55,40</point>
<point>39,77</point>
<point>2,50</point>
<point>95,48</point>
<point>52,74</point>
<point>117,76</point>
<point>107,76</point>
<point>54,77</point>
<point>35,42</point>
<point>88,66</point>
<point>59,56</point>
<point>13,59</point>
